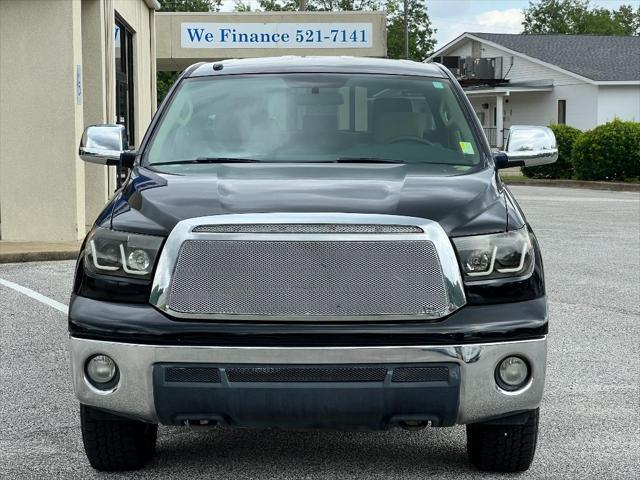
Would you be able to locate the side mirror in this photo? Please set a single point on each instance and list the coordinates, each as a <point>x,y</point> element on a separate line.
<point>529,146</point>
<point>103,144</point>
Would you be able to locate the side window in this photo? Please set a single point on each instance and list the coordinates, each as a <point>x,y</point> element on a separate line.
<point>125,104</point>
<point>562,112</point>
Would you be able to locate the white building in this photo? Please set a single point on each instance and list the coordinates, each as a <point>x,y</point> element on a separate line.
<point>579,80</point>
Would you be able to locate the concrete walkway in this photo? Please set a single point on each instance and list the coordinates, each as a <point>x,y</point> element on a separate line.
<point>591,185</point>
<point>34,251</point>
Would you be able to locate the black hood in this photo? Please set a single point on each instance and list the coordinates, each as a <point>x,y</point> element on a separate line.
<point>463,204</point>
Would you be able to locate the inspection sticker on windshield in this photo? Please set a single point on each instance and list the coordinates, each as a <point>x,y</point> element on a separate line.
<point>438,84</point>
<point>466,148</point>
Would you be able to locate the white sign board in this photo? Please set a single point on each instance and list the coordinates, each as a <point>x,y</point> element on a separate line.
<point>276,35</point>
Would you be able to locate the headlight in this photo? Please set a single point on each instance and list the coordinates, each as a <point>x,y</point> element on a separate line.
<point>123,254</point>
<point>500,255</point>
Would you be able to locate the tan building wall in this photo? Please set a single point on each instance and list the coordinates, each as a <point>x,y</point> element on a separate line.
<point>46,192</point>
<point>41,176</point>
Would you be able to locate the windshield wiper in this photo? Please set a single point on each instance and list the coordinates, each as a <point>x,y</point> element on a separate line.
<point>366,160</point>
<point>251,160</point>
<point>208,160</point>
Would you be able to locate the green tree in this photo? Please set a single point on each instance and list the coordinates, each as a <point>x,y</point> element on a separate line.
<point>190,5</point>
<point>278,5</point>
<point>240,6</point>
<point>628,18</point>
<point>165,80</point>
<point>345,5</point>
<point>579,17</point>
<point>421,32</point>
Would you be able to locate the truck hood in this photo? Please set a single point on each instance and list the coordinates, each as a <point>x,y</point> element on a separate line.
<point>466,204</point>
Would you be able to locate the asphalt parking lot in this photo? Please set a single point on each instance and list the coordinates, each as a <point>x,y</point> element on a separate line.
<point>590,424</point>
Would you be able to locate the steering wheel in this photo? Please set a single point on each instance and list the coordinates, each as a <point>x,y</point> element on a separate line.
<point>410,139</point>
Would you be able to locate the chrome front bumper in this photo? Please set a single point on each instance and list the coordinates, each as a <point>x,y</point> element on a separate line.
<point>480,397</point>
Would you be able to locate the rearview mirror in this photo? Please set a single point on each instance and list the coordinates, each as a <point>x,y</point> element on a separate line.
<point>530,146</point>
<point>103,144</point>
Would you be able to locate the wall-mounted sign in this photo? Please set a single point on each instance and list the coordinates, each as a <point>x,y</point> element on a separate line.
<point>276,35</point>
<point>78,84</point>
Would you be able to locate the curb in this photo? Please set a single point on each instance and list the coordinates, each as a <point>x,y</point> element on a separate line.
<point>38,256</point>
<point>612,186</point>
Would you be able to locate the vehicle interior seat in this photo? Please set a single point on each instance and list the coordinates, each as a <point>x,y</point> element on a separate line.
<point>387,105</point>
<point>395,118</point>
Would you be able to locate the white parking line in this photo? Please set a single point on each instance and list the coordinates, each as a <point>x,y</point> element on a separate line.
<point>35,295</point>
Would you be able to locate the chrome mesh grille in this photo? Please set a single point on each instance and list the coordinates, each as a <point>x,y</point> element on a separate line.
<point>306,228</point>
<point>306,374</point>
<point>209,373</point>
<point>420,374</point>
<point>192,374</point>
<point>308,278</point>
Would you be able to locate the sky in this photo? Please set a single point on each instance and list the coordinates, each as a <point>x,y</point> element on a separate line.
<point>453,17</point>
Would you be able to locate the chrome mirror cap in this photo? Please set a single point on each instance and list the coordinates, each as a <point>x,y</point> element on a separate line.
<point>530,146</point>
<point>103,144</point>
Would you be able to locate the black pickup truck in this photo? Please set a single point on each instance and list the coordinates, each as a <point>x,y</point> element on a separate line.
<point>311,243</point>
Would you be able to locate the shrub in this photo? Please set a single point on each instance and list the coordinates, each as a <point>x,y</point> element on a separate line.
<point>562,168</point>
<point>608,152</point>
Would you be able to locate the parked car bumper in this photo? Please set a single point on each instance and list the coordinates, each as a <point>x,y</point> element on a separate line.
<point>335,387</point>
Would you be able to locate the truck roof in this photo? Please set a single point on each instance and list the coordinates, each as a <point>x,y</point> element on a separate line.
<point>315,64</point>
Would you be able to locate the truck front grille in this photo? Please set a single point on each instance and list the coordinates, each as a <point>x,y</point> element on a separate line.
<point>307,374</point>
<point>205,373</point>
<point>269,279</point>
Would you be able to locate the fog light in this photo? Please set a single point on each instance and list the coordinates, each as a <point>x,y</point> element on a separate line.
<point>512,373</point>
<point>102,370</point>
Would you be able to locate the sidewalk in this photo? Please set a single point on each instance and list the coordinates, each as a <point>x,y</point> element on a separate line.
<point>36,251</point>
<point>540,182</point>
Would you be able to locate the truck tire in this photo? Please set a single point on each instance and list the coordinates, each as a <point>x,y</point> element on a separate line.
<point>114,443</point>
<point>503,447</point>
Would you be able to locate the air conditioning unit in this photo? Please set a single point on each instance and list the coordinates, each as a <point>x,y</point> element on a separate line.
<point>474,68</point>
<point>451,62</point>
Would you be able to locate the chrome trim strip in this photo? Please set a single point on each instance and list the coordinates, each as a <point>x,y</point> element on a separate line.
<point>184,231</point>
<point>316,228</point>
<point>480,396</point>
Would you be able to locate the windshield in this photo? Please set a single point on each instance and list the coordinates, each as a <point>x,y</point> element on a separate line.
<point>314,118</point>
